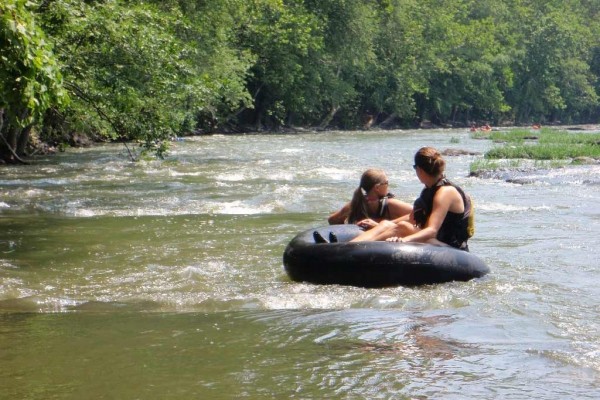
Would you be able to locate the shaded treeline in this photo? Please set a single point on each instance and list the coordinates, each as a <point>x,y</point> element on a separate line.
<point>154,69</point>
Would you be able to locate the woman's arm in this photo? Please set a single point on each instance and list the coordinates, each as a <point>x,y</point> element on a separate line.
<point>398,208</point>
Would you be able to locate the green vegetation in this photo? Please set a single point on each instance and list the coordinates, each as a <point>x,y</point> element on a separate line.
<point>547,148</point>
<point>148,71</point>
<point>30,79</point>
<point>511,136</point>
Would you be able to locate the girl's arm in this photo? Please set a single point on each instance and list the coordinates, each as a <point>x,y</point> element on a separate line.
<point>399,209</point>
<point>339,217</point>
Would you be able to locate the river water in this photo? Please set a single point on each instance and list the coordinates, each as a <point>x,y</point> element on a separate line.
<point>164,279</point>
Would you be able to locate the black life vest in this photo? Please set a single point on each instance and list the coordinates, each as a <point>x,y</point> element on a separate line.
<point>456,228</point>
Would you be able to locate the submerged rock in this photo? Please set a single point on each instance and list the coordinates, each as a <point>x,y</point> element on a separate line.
<point>585,161</point>
<point>459,152</point>
<point>508,175</point>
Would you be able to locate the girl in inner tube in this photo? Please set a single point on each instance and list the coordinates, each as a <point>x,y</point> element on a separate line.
<point>440,215</point>
<point>371,202</point>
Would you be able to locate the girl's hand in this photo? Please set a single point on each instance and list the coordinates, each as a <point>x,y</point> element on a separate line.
<point>367,223</point>
<point>394,239</point>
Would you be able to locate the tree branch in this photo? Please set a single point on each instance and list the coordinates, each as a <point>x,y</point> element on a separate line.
<point>83,96</point>
<point>8,146</point>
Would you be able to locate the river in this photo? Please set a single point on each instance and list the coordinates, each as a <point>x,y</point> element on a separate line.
<point>164,279</point>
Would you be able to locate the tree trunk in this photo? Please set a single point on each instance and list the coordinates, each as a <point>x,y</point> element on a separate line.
<point>289,119</point>
<point>3,151</point>
<point>258,116</point>
<point>386,122</point>
<point>329,117</point>
<point>22,140</point>
<point>8,142</point>
<point>454,111</point>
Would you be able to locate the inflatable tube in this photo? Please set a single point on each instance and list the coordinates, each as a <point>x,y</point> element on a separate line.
<point>375,264</point>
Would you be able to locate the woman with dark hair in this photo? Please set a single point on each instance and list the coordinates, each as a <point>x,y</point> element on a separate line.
<point>440,215</point>
<point>371,202</point>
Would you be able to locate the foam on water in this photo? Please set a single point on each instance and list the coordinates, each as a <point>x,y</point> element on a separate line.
<point>235,177</point>
<point>292,150</point>
<point>188,173</point>
<point>509,208</point>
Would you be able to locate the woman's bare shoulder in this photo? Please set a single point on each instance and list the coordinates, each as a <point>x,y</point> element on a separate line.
<point>451,196</point>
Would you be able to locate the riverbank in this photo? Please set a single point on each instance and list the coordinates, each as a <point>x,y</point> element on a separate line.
<point>76,140</point>
<point>423,126</point>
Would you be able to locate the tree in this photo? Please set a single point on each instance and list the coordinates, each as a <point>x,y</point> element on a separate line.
<point>400,72</point>
<point>145,71</point>
<point>30,80</point>
<point>554,76</point>
<point>350,32</point>
<point>468,62</point>
<point>285,80</point>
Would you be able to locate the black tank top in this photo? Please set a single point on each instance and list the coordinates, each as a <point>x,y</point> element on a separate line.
<point>454,230</point>
<point>383,210</point>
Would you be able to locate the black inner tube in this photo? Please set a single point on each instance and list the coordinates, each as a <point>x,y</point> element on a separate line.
<point>375,264</point>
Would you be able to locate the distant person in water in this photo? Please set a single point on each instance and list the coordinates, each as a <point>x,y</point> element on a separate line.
<point>371,203</point>
<point>440,215</point>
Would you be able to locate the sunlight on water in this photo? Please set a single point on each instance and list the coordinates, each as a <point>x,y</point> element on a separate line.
<point>509,208</point>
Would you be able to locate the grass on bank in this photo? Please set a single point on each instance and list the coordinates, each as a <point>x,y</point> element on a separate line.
<point>546,148</point>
